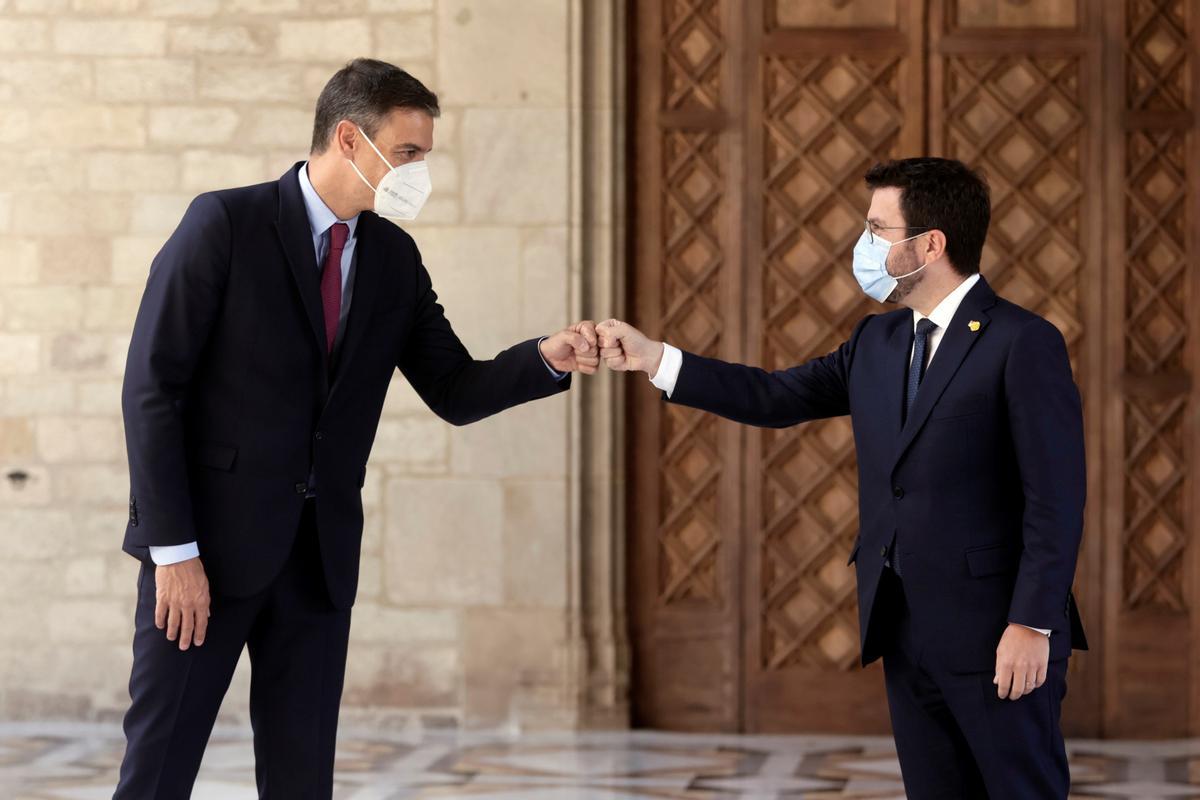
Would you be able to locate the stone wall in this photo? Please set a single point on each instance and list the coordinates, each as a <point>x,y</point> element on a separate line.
<point>113,115</point>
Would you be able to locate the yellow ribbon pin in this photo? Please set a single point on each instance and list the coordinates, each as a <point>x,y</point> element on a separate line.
<point>973,325</point>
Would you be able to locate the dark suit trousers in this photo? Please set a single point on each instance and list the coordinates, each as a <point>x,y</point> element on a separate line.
<point>956,739</point>
<point>297,642</point>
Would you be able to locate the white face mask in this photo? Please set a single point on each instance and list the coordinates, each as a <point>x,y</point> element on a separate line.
<point>870,265</point>
<point>404,189</point>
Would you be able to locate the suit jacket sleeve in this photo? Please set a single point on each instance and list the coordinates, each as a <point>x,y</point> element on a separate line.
<point>181,302</point>
<point>814,390</point>
<point>458,388</point>
<point>1046,418</point>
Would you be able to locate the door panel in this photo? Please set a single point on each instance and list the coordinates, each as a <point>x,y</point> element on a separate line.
<point>821,113</point>
<point>755,122</point>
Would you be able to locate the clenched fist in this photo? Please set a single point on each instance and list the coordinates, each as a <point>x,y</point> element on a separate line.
<point>626,349</point>
<point>573,349</point>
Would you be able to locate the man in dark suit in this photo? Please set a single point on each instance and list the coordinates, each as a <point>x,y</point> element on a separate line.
<point>272,322</point>
<point>969,435</point>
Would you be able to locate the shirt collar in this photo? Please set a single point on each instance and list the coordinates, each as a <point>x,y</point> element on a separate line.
<point>320,217</point>
<point>943,314</point>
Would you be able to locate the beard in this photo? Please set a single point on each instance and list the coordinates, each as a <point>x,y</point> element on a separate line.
<point>905,286</point>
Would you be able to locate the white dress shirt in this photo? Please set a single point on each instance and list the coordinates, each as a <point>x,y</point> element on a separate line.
<point>942,314</point>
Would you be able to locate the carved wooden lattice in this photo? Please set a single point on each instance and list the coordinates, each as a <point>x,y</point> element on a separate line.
<point>692,49</point>
<point>826,121</point>
<point>1156,296</point>
<point>692,260</point>
<point>1019,120</point>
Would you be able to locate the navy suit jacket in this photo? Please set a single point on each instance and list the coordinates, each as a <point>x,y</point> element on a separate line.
<point>230,403</point>
<point>982,488</point>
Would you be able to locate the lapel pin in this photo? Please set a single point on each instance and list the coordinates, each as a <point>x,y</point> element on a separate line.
<point>973,325</point>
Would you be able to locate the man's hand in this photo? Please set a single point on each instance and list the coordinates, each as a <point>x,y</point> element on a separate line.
<point>626,349</point>
<point>573,349</point>
<point>181,602</point>
<point>1021,662</point>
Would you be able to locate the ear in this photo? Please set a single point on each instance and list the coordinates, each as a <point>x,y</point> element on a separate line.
<point>935,246</point>
<point>345,137</point>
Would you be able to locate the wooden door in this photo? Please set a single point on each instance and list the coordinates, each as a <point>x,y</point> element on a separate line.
<point>754,124</point>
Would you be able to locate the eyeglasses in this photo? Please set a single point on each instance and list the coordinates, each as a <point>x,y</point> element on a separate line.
<point>874,230</point>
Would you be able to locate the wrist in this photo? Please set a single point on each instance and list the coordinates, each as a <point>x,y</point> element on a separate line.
<point>656,364</point>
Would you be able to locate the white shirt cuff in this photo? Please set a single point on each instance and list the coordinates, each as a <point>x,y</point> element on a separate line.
<point>1042,631</point>
<point>173,554</point>
<point>668,369</point>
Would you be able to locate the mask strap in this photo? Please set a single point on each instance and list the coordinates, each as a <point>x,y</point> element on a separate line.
<point>906,275</point>
<point>376,149</point>
<point>902,241</point>
<point>360,175</point>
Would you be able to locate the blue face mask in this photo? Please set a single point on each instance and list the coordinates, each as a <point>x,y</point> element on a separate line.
<point>870,265</point>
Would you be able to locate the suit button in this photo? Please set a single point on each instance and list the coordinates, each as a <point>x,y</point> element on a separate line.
<point>319,436</point>
<point>883,552</point>
<point>897,492</point>
<point>301,488</point>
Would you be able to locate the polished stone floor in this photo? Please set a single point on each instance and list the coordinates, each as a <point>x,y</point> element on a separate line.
<point>78,762</point>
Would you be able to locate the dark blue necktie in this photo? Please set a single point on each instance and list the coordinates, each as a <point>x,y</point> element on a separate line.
<point>916,370</point>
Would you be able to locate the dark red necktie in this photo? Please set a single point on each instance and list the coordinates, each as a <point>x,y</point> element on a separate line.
<point>331,282</point>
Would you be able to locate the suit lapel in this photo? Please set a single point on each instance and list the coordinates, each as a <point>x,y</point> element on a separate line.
<point>295,234</point>
<point>899,346</point>
<point>368,263</point>
<point>956,343</point>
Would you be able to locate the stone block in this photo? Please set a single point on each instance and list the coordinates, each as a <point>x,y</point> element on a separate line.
<point>546,275</point>
<point>145,80</point>
<point>206,39</point>
<point>208,170</point>
<point>88,126</point>
<point>329,39</point>
<point>529,441</point>
<point>192,125</point>
<point>132,172</point>
<point>402,677</point>
<point>37,394</point>
<point>24,36</point>
<point>474,274</point>
<point>504,179</point>
<point>110,37</point>
<point>443,542</point>
<point>16,439</point>
<point>43,308</point>
<point>131,258</point>
<point>20,261</point>
<point>403,40</point>
<point>46,81</point>
<point>75,440</point>
<point>535,544</point>
<point>248,82</point>
<point>496,53</point>
<point>20,354</point>
<point>419,444</point>
<point>52,214</point>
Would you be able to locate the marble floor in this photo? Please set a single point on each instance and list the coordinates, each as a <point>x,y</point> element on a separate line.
<point>78,762</point>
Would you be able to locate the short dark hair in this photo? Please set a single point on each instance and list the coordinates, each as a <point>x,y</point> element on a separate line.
<point>365,91</point>
<point>944,194</point>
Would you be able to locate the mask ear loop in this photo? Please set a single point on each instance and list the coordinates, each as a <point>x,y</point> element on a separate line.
<point>354,166</point>
<point>362,177</point>
<point>902,241</point>
<point>376,149</point>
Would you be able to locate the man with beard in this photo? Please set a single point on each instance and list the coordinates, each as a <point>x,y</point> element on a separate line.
<point>969,434</point>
